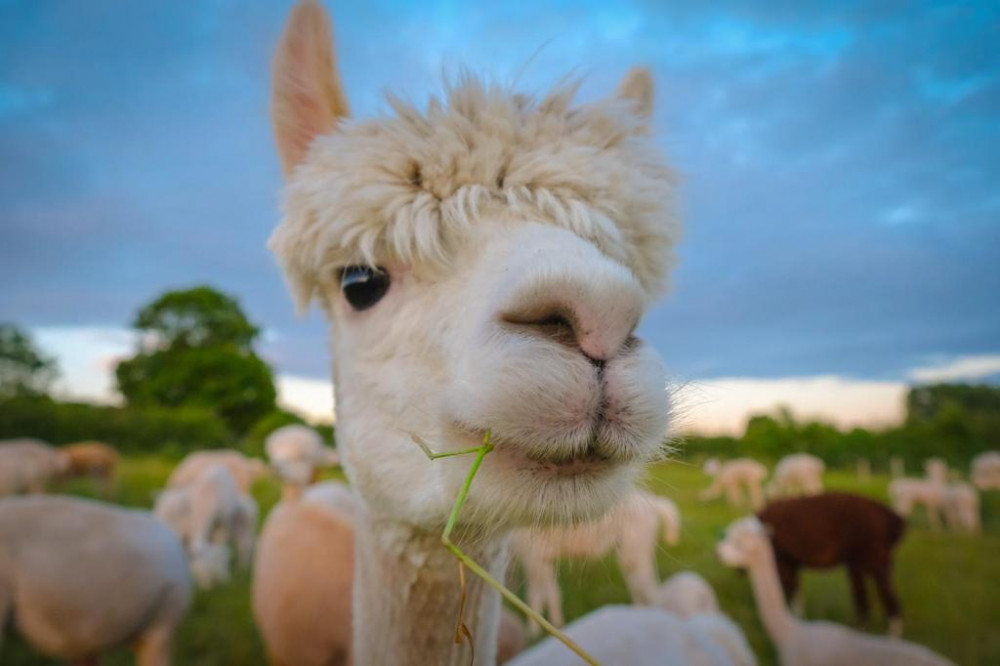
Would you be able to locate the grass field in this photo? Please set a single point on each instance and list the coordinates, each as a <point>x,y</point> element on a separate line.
<point>949,583</point>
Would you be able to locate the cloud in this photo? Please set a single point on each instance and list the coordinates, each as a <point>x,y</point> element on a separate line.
<point>87,357</point>
<point>962,368</point>
<point>722,406</point>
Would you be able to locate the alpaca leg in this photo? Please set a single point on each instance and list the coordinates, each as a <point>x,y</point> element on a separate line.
<point>887,596</point>
<point>554,598</point>
<point>536,600</point>
<point>639,568</point>
<point>933,515</point>
<point>733,495</point>
<point>153,648</point>
<point>788,573</point>
<point>859,593</point>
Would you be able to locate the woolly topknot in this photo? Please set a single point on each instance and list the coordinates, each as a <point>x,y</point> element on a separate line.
<point>408,188</point>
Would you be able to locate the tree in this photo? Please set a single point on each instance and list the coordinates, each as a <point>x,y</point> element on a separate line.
<point>24,370</point>
<point>196,350</point>
<point>198,317</point>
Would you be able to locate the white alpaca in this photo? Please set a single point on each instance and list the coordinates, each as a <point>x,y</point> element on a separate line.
<point>797,474</point>
<point>632,529</point>
<point>801,643</point>
<point>686,594</point>
<point>961,507</point>
<point>931,492</point>
<point>730,476</point>
<point>644,636</point>
<point>296,452</point>
<point>243,469</point>
<point>28,465</point>
<point>208,515</point>
<point>80,578</point>
<point>483,266</point>
<point>986,471</point>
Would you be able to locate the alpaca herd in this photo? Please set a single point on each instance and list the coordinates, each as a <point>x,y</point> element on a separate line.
<point>484,264</point>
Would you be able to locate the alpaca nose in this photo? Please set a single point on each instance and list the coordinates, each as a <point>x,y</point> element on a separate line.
<point>578,298</point>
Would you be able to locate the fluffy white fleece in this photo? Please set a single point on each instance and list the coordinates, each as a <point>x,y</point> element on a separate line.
<point>406,187</point>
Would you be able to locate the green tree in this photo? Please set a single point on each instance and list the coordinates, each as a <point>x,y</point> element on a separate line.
<point>24,370</point>
<point>196,350</point>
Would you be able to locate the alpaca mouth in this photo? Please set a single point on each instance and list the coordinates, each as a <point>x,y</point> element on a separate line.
<point>587,460</point>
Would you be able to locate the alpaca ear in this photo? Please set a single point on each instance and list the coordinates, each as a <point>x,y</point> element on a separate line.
<point>307,99</point>
<point>637,87</point>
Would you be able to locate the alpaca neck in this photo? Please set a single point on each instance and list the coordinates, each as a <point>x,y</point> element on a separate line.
<point>407,593</point>
<point>770,599</point>
<point>292,492</point>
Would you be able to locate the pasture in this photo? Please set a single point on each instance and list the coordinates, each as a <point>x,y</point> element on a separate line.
<point>948,582</point>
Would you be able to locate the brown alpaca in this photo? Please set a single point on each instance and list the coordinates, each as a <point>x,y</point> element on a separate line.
<point>91,459</point>
<point>823,531</point>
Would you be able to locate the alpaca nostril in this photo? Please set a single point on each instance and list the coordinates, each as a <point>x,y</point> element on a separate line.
<point>552,323</point>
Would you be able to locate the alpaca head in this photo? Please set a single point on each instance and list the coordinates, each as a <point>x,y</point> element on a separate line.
<point>936,469</point>
<point>745,541</point>
<point>484,265</point>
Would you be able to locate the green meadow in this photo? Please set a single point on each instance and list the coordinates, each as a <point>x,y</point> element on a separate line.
<point>949,583</point>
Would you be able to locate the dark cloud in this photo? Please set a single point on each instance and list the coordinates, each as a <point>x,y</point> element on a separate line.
<point>840,166</point>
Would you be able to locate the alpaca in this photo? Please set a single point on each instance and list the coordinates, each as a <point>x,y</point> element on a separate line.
<point>208,515</point>
<point>483,266</point>
<point>303,573</point>
<point>91,459</point>
<point>296,452</point>
<point>961,507</point>
<point>243,469</point>
<point>801,643</point>
<point>632,529</point>
<point>930,492</point>
<point>986,471</point>
<point>823,531</point>
<point>730,475</point>
<point>645,636</point>
<point>797,474</point>
<point>686,594</point>
<point>81,577</point>
<point>28,465</point>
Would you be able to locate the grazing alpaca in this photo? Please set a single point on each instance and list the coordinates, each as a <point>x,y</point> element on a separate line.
<point>296,452</point>
<point>797,474</point>
<point>686,594</point>
<point>243,469</point>
<point>986,471</point>
<point>931,492</point>
<point>632,529</point>
<point>208,515</point>
<point>961,507</point>
<point>822,531</point>
<point>730,475</point>
<point>483,266</point>
<point>91,459</point>
<point>802,643</point>
<point>80,578</point>
<point>27,466</point>
<point>644,636</point>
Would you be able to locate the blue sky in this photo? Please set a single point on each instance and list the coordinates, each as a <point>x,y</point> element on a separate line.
<point>840,163</point>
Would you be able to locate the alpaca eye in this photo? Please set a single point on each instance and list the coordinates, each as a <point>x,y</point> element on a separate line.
<point>362,286</point>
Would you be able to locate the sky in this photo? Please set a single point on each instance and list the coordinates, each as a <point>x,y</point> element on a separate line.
<point>840,167</point>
